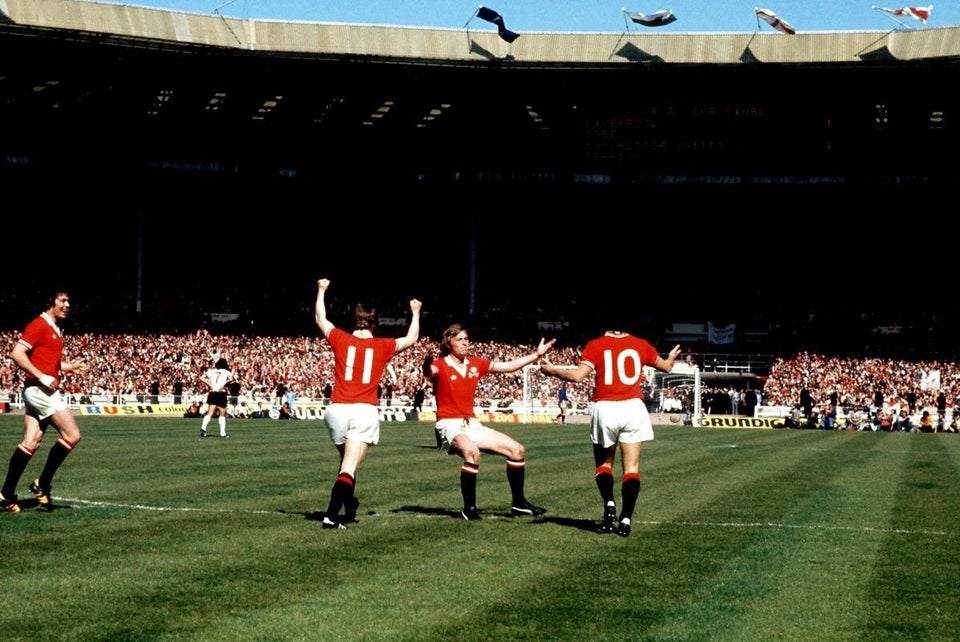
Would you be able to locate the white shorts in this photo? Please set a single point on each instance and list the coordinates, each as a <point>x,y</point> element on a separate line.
<point>472,428</point>
<point>42,402</point>
<point>625,422</point>
<point>358,421</point>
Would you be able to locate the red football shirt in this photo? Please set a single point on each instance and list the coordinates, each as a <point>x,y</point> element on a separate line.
<point>44,345</point>
<point>455,387</point>
<point>618,364</point>
<point>358,366</point>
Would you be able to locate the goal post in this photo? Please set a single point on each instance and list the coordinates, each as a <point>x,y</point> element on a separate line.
<point>540,391</point>
<point>674,393</point>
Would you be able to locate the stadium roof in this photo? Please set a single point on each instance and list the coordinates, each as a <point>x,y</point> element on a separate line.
<point>116,87</point>
<point>148,27</point>
<point>114,109</point>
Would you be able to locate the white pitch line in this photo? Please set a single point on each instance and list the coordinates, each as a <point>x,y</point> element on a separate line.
<point>184,509</point>
<point>859,529</point>
<point>863,529</point>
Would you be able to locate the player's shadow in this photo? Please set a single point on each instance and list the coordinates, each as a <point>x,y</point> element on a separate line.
<point>315,516</point>
<point>429,510</point>
<point>28,504</point>
<point>588,525</point>
<point>444,512</point>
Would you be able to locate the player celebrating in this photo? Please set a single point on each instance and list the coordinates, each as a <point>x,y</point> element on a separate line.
<point>455,376</point>
<point>352,417</point>
<point>619,414</point>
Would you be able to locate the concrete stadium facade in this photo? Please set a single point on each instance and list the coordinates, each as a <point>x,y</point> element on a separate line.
<point>93,87</point>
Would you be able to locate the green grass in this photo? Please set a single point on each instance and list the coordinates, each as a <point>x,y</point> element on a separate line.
<point>738,535</point>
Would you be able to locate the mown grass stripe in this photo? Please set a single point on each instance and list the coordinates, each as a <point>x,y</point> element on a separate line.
<point>739,535</point>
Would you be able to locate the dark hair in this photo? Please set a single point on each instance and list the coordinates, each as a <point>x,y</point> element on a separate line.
<point>364,318</point>
<point>221,364</point>
<point>52,299</point>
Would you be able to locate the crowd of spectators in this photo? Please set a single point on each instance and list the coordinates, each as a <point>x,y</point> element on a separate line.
<point>272,367</point>
<point>855,383</point>
<point>266,367</point>
<point>873,393</point>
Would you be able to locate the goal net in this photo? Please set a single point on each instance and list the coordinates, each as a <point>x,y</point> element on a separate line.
<point>674,397</point>
<point>670,398</point>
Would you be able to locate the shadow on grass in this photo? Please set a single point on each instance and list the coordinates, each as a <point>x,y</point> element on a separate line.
<point>588,525</point>
<point>33,504</point>
<point>314,516</point>
<point>427,510</point>
<point>317,516</point>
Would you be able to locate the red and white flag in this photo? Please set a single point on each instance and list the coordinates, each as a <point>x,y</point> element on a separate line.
<point>775,21</point>
<point>917,13</point>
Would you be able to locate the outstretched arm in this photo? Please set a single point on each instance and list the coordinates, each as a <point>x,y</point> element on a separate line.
<point>515,364</point>
<point>576,375</point>
<point>320,309</point>
<point>413,332</point>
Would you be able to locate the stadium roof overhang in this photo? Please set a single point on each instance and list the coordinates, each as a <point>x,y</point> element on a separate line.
<point>156,28</point>
<point>135,85</point>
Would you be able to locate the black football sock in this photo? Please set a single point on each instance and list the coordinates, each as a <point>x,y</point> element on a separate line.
<point>468,484</point>
<point>341,493</point>
<point>603,476</point>
<point>629,491</point>
<point>515,474</point>
<point>56,457</point>
<point>18,463</point>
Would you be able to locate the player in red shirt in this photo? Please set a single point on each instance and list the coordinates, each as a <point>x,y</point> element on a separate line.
<point>619,415</point>
<point>39,353</point>
<point>352,417</point>
<point>455,376</point>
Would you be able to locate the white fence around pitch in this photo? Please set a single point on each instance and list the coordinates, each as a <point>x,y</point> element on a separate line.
<point>531,406</point>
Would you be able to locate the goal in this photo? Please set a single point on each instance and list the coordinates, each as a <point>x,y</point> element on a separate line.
<point>670,398</point>
<point>674,397</point>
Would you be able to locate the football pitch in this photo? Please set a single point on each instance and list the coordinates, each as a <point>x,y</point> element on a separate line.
<point>739,534</point>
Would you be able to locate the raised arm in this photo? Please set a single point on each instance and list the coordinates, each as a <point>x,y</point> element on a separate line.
<point>666,365</point>
<point>320,309</point>
<point>413,332</point>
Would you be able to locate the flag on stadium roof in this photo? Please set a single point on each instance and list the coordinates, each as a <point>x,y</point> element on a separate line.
<point>775,21</point>
<point>917,13</point>
<point>492,16</point>
<point>655,19</point>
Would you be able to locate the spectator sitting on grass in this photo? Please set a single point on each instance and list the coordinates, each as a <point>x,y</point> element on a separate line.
<point>193,411</point>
